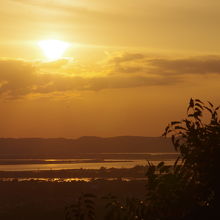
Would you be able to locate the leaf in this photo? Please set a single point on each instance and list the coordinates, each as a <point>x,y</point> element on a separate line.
<point>208,109</point>
<point>175,122</point>
<point>199,105</point>
<point>210,104</point>
<point>164,169</point>
<point>149,164</point>
<point>197,100</point>
<point>188,124</point>
<point>161,164</point>
<point>196,115</point>
<point>179,128</point>
<point>191,104</point>
<point>197,109</point>
<point>167,130</point>
<point>217,108</point>
<point>177,160</point>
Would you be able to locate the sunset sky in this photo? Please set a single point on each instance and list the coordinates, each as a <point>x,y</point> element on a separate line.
<point>128,67</point>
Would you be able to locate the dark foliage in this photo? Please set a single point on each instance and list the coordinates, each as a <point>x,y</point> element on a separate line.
<point>36,199</point>
<point>190,189</point>
<point>83,208</point>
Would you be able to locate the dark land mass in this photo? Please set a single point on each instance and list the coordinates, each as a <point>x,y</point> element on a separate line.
<point>40,199</point>
<point>135,172</point>
<point>74,148</point>
<point>47,200</point>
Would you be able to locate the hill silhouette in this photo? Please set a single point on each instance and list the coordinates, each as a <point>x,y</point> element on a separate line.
<point>53,147</point>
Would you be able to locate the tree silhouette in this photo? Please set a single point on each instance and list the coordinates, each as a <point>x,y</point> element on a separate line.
<point>190,189</point>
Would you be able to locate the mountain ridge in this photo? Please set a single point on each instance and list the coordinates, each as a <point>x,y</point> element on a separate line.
<point>84,144</point>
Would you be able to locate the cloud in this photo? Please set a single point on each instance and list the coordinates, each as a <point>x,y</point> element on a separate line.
<point>19,78</point>
<point>140,63</point>
<point>73,11</point>
<point>127,57</point>
<point>55,64</point>
<point>71,84</point>
<point>198,65</point>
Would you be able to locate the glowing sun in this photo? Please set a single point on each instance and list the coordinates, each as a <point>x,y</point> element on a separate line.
<point>53,49</point>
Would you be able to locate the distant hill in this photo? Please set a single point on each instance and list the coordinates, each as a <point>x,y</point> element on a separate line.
<point>61,147</point>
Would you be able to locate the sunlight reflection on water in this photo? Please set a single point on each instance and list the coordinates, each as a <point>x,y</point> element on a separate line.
<point>83,165</point>
<point>66,180</point>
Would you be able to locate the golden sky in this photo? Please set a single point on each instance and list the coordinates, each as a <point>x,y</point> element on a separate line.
<point>129,69</point>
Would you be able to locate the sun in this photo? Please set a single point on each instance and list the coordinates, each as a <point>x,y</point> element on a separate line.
<point>53,49</point>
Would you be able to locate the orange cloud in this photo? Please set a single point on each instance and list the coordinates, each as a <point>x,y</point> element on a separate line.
<point>19,78</point>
